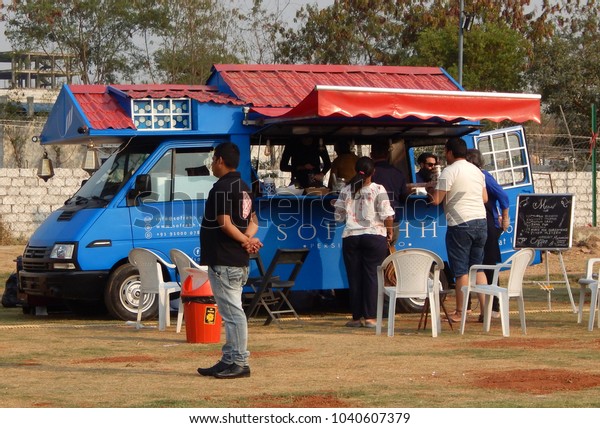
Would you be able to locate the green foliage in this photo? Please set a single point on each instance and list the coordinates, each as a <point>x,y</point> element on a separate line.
<point>259,31</point>
<point>360,32</point>
<point>494,56</point>
<point>198,35</point>
<point>565,69</point>
<point>386,31</point>
<point>547,46</point>
<point>98,34</point>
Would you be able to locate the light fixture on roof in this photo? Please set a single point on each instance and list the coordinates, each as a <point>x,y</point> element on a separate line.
<point>300,130</point>
<point>91,163</point>
<point>436,132</point>
<point>368,131</point>
<point>467,21</point>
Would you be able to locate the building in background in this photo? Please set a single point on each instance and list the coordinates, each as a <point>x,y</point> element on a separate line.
<point>34,70</point>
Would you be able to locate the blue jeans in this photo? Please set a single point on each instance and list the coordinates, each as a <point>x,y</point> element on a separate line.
<point>227,283</point>
<point>464,244</point>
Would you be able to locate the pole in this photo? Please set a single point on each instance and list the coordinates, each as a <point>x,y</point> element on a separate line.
<point>594,192</point>
<point>460,41</point>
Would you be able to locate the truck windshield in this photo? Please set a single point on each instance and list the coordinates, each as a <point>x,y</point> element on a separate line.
<point>112,175</point>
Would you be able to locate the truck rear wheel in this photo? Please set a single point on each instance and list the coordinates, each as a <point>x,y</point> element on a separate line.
<point>122,295</point>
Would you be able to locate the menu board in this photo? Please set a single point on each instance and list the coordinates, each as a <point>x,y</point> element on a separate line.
<point>544,221</point>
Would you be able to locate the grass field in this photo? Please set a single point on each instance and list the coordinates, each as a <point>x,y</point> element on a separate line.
<point>63,361</point>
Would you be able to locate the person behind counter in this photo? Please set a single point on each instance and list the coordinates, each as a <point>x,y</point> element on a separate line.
<point>392,179</point>
<point>343,165</point>
<point>365,206</point>
<point>303,160</point>
<point>427,162</point>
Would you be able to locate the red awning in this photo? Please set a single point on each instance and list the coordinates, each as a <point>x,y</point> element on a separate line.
<point>451,106</point>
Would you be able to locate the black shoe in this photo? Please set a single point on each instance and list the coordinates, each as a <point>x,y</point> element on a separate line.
<point>220,366</point>
<point>233,371</point>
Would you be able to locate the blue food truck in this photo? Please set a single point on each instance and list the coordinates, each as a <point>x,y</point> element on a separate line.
<point>151,191</point>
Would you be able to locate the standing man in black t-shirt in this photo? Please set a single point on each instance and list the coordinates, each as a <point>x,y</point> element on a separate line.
<point>226,240</point>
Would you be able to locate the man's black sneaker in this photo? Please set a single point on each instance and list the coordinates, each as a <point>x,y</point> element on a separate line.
<point>233,371</point>
<point>210,371</point>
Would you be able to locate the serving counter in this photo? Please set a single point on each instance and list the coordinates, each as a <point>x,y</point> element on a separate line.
<point>289,221</point>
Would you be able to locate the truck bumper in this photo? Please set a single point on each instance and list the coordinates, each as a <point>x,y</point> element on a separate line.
<point>64,285</point>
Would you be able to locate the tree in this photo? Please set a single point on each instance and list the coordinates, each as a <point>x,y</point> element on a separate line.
<point>260,29</point>
<point>495,56</point>
<point>199,33</point>
<point>565,68</point>
<point>98,34</point>
<point>357,32</point>
<point>386,31</point>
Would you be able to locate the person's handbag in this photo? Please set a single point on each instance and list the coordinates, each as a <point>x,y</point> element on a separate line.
<point>390,273</point>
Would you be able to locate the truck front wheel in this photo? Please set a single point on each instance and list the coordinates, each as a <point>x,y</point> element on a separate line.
<point>122,295</point>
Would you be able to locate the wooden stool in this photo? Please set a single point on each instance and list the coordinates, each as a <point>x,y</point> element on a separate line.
<point>425,311</point>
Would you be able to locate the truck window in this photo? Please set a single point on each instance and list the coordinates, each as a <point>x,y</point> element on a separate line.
<point>181,174</point>
<point>111,176</point>
<point>505,157</point>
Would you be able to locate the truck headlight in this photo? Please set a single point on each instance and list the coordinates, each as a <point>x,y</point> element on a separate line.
<point>62,251</point>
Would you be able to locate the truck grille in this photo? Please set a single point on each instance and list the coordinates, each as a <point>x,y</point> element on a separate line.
<point>34,259</point>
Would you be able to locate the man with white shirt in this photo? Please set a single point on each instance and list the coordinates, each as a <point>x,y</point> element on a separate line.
<point>461,187</point>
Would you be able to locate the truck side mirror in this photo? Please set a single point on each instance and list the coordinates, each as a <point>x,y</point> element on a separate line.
<point>143,186</point>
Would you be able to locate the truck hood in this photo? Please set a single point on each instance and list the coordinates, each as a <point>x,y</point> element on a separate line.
<point>65,226</point>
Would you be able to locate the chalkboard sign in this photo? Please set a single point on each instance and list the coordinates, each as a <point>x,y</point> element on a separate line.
<point>544,222</point>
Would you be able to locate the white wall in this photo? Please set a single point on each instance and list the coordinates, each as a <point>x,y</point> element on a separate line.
<point>577,183</point>
<point>26,200</point>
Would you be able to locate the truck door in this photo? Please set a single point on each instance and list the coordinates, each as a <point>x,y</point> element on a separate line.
<point>170,216</point>
<point>505,157</point>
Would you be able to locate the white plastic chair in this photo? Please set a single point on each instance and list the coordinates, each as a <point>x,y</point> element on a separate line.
<point>413,269</point>
<point>589,282</point>
<point>517,264</point>
<point>184,263</point>
<point>152,282</point>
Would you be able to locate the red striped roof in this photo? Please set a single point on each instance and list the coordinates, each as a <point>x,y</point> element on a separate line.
<point>285,85</point>
<point>201,93</point>
<point>100,109</point>
<point>104,112</point>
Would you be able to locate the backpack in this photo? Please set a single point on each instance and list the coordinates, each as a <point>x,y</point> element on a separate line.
<point>9,297</point>
<point>390,272</point>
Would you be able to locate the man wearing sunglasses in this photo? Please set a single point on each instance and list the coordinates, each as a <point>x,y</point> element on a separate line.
<point>427,162</point>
